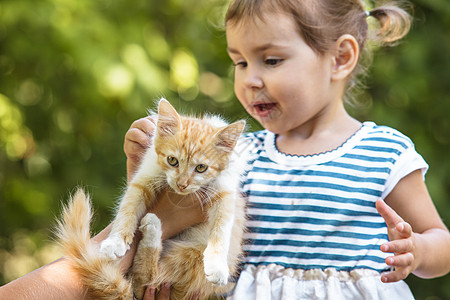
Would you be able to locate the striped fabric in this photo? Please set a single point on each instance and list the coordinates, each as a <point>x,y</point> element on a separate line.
<point>317,212</point>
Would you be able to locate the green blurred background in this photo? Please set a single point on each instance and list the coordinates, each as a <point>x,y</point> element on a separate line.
<point>74,74</point>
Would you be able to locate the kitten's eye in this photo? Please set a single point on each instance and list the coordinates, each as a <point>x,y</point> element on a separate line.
<point>201,168</point>
<point>172,161</point>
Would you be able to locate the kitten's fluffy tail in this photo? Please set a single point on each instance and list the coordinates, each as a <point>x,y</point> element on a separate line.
<point>100,275</point>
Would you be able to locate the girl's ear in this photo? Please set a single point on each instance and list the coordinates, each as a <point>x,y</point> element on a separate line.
<point>345,58</point>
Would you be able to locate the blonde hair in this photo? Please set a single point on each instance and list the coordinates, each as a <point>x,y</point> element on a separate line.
<point>322,22</point>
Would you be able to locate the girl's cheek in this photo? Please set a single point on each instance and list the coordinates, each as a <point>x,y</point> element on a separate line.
<point>238,92</point>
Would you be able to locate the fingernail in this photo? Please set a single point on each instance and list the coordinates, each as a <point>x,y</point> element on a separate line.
<point>389,260</point>
<point>166,285</point>
<point>384,248</point>
<point>151,291</point>
<point>384,279</point>
<point>400,227</point>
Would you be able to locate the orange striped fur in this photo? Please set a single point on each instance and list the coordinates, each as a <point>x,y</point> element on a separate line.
<point>188,156</point>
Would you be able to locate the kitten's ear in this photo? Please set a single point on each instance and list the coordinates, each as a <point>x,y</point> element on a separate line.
<point>168,119</point>
<point>227,137</point>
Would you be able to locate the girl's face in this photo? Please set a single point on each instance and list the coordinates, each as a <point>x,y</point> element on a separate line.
<point>279,79</point>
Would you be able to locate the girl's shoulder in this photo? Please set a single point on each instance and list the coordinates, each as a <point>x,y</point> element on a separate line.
<point>397,149</point>
<point>370,130</point>
<point>253,140</point>
<point>386,134</point>
<point>256,135</point>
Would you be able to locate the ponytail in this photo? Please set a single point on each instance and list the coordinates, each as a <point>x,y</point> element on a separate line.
<point>394,23</point>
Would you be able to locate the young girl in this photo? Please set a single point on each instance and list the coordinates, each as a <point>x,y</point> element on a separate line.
<point>318,228</point>
<point>317,225</point>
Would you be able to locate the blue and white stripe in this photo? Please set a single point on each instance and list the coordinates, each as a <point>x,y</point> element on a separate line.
<point>308,212</point>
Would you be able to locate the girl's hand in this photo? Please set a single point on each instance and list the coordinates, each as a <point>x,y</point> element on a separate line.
<point>137,140</point>
<point>402,243</point>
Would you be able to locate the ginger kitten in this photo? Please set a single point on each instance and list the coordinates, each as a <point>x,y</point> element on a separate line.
<point>188,156</point>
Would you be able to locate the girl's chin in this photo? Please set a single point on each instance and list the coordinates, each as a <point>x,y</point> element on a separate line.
<point>270,125</point>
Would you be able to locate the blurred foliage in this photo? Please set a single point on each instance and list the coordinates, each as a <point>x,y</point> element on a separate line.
<point>74,74</point>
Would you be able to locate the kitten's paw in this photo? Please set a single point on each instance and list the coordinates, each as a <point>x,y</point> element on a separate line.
<point>216,268</point>
<point>151,230</point>
<point>113,247</point>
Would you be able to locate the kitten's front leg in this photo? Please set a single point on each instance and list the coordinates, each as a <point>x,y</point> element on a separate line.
<point>215,257</point>
<point>131,209</point>
<point>145,263</point>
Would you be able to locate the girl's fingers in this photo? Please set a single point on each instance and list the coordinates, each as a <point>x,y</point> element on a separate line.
<point>394,276</point>
<point>398,246</point>
<point>402,264</point>
<point>398,274</point>
<point>403,260</point>
<point>404,229</point>
<point>389,215</point>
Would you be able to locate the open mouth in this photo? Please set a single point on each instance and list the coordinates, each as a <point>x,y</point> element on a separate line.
<point>263,107</point>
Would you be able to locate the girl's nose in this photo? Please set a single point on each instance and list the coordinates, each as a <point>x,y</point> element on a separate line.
<point>253,80</point>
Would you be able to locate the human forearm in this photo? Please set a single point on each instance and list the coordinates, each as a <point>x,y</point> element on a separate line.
<point>56,280</point>
<point>433,253</point>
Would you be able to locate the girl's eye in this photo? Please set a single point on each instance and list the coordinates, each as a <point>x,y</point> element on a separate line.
<point>201,168</point>
<point>172,161</point>
<point>272,61</point>
<point>241,64</point>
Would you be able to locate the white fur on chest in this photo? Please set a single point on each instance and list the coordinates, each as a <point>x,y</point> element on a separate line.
<point>149,167</point>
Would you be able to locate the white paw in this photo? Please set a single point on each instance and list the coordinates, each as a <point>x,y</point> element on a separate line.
<point>113,247</point>
<point>151,230</point>
<point>150,223</point>
<point>216,268</point>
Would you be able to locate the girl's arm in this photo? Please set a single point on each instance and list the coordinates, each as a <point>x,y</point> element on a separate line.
<point>418,238</point>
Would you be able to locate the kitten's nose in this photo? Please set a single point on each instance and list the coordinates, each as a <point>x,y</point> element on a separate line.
<point>181,186</point>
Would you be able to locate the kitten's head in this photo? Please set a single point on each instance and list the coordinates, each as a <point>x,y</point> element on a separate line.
<point>193,152</point>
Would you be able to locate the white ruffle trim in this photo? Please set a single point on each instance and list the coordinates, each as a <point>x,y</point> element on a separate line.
<point>273,282</point>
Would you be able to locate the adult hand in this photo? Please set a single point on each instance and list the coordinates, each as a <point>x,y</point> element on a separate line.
<point>137,140</point>
<point>402,243</point>
<point>175,212</point>
<point>162,294</point>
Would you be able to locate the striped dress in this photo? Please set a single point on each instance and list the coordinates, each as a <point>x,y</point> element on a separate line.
<point>316,214</point>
